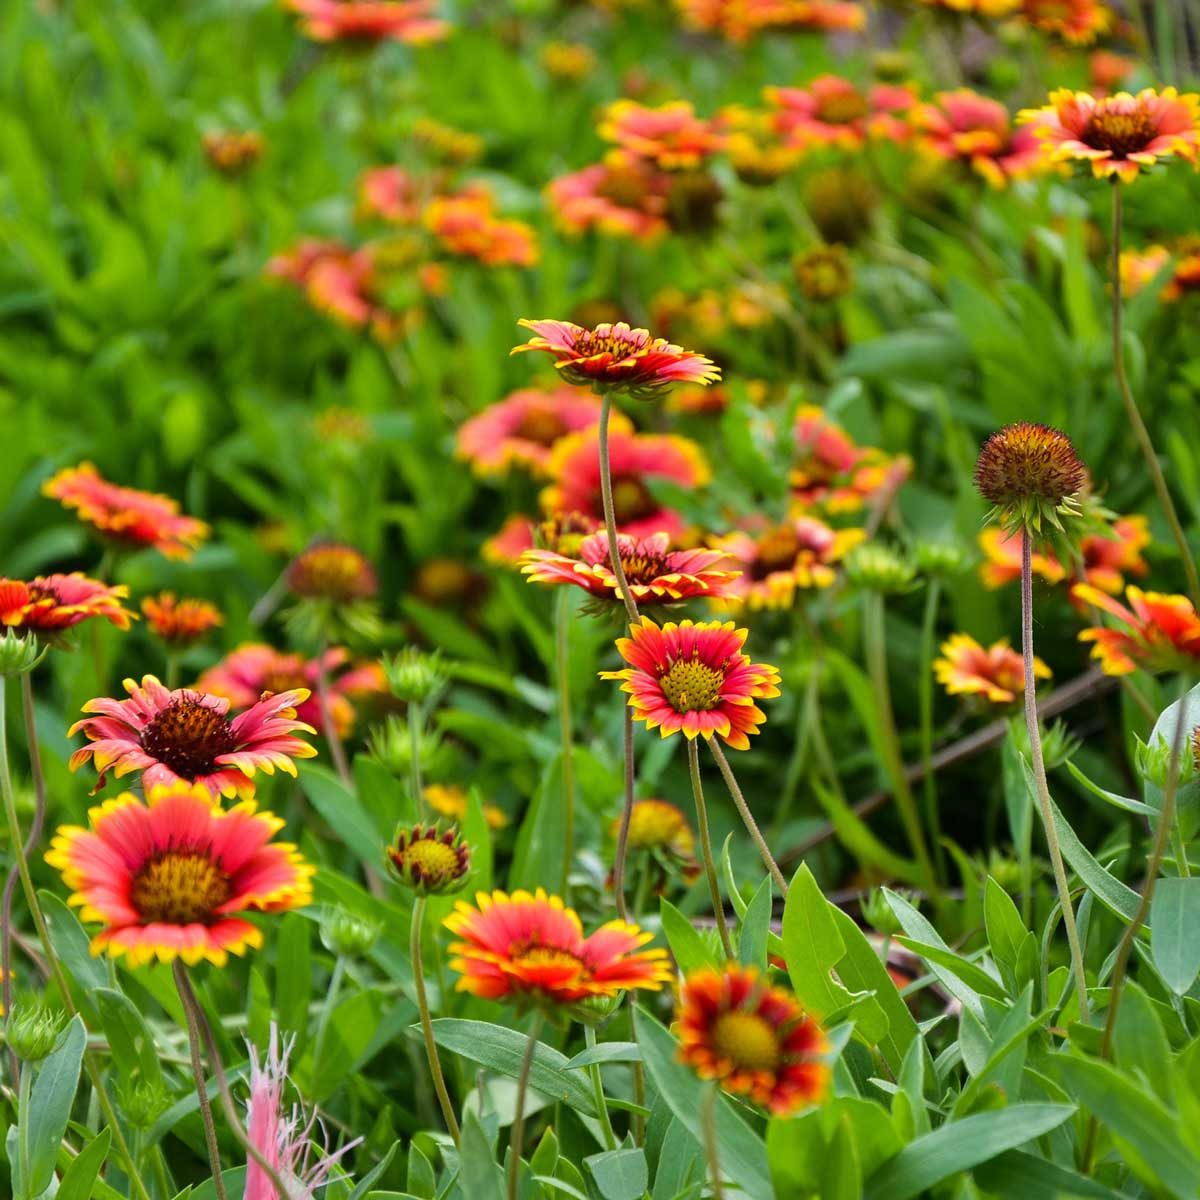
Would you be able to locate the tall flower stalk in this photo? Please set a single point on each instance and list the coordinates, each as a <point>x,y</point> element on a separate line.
<point>562,661</point>
<point>435,1063</point>
<point>706,851</point>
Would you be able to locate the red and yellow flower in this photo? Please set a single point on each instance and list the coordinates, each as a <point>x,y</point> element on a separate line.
<point>1139,267</point>
<point>966,127</point>
<point>410,21</point>
<point>1079,22</point>
<point>505,547</point>
<point>655,573</point>
<point>659,829</point>
<point>180,622</point>
<point>126,515</point>
<point>531,949</point>
<point>450,800</point>
<point>390,194</point>
<point>332,571</point>
<point>49,604</point>
<point>997,673</point>
<point>693,678</point>
<point>1119,135</point>
<point>834,473</point>
<point>338,281</point>
<point>977,8</point>
<point>233,151</point>
<point>521,430</point>
<point>752,1038</point>
<point>1158,632</point>
<point>832,111</point>
<point>1108,559</point>
<point>671,136</point>
<point>170,878</point>
<point>1002,559</point>
<point>617,357</point>
<point>184,736</point>
<point>740,20</point>
<point>635,460</point>
<point>1107,70</point>
<point>757,150</point>
<point>466,225</point>
<point>778,561</point>
<point>625,199</point>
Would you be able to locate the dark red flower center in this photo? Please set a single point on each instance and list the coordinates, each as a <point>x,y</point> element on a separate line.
<point>284,679</point>
<point>690,686</point>
<point>632,500</point>
<point>1122,133</point>
<point>643,568</point>
<point>188,737</point>
<point>590,342</point>
<point>178,887</point>
<point>626,189</point>
<point>541,425</point>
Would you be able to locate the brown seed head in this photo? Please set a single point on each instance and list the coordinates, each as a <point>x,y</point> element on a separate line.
<point>1029,472</point>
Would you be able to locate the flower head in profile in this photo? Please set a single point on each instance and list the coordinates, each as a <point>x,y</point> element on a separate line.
<point>752,1038</point>
<point>655,573</point>
<point>332,571</point>
<point>1157,632</point>
<point>531,949</point>
<point>618,199</point>
<point>521,430</point>
<point>410,21</point>
<point>450,800</point>
<point>233,151</point>
<point>1119,135</point>
<point>966,127</point>
<point>636,461</point>
<point>617,358</point>
<point>127,516</point>
<point>183,736</point>
<point>429,861</point>
<point>180,621</point>
<point>48,605</point>
<point>693,678</point>
<point>832,111</point>
<point>659,830</point>
<point>1031,474</point>
<point>1077,22</point>
<point>671,136</point>
<point>170,878</point>
<point>997,673</point>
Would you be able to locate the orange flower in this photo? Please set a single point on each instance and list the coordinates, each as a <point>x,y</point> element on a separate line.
<point>126,515</point>
<point>964,126</point>
<point>756,148</point>
<point>693,678</point>
<point>180,622</point>
<point>1118,135</point>
<point>49,604</point>
<point>1079,22</point>
<point>389,193</point>
<point>831,111</point>
<point>627,199</point>
<point>1106,70</point>
<point>752,1038</point>
<point>660,829</point>
<point>408,21</point>
<point>1108,559</point>
<point>169,878</point>
<point>977,8</point>
<point>332,571</point>
<point>997,673</point>
<point>740,20</point>
<point>1139,267</point>
<point>531,949</point>
<point>232,151</point>
<point>833,472</point>
<point>505,547</point>
<point>451,801</point>
<point>1002,560</point>
<point>670,136</point>
<point>780,560</point>
<point>466,225</point>
<point>1159,632</point>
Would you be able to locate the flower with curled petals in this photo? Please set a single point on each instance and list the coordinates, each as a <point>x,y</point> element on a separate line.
<point>997,673</point>
<point>752,1038</point>
<point>530,949</point>
<point>1157,632</point>
<point>671,136</point>
<point>125,515</point>
<point>180,621</point>
<point>693,678</point>
<point>169,879</point>
<point>655,573</point>
<point>184,736</point>
<point>50,604</point>
<point>1120,134</point>
<point>617,358</point>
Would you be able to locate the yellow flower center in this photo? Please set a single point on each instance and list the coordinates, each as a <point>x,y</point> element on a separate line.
<point>435,860</point>
<point>590,342</point>
<point>179,887</point>
<point>653,824</point>
<point>747,1040</point>
<point>537,955</point>
<point>188,736</point>
<point>331,573</point>
<point>691,685</point>
<point>1121,132</point>
<point>542,426</point>
<point>631,500</point>
<point>777,551</point>
<point>842,109</point>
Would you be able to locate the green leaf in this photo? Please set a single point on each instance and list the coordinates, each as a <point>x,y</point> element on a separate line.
<point>367,1182</point>
<point>605,1052</point>
<point>421,1180</point>
<point>132,1043</point>
<point>679,1162</point>
<point>1017,1175</point>
<point>50,1104</point>
<point>961,1145</point>
<point>80,1177</point>
<point>1109,890</point>
<point>478,1174</point>
<point>756,924</point>
<point>689,949</point>
<point>970,973</point>
<point>1006,931</point>
<point>71,943</point>
<point>743,1155</point>
<point>620,1174</point>
<point>854,833</point>
<point>539,849</point>
<point>812,946</point>
<point>503,1050</point>
<point>343,813</point>
<point>293,973</point>
<point>1174,925</point>
<point>1122,802</point>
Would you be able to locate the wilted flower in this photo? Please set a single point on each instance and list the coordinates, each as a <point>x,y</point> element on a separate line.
<point>693,678</point>
<point>168,878</point>
<point>965,126</point>
<point>180,622</point>
<point>754,1039</point>
<point>1157,632</point>
<point>823,273</point>
<point>410,21</point>
<point>997,673</point>
<point>233,151</point>
<point>1029,473</point>
<point>670,136</point>
<point>428,861</point>
<point>842,201</point>
<point>50,604</point>
<point>451,801</point>
<point>127,516</point>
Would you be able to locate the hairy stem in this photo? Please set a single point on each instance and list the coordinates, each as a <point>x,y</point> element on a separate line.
<point>706,851</point>
<point>748,817</point>
<point>929,796</point>
<point>626,814</point>
<point>610,520</point>
<point>435,1063</point>
<point>708,1124</point>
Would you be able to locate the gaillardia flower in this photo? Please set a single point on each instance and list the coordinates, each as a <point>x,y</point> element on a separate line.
<point>1118,134</point>
<point>655,573</point>
<point>531,949</point>
<point>626,199</point>
<point>1002,559</point>
<point>670,136</point>
<point>466,224</point>
<point>1079,22</point>
<point>754,1039</point>
<point>1158,632</point>
<point>428,861</point>
<point>520,430</point>
<point>616,357</point>
<point>410,21</point>
<point>49,604</point>
<point>332,571</point>
<point>693,678</point>
<point>125,515</point>
<point>967,127</point>
<point>831,111</point>
<point>740,20</point>
<point>169,878</point>
<point>180,622</point>
<point>233,151</point>
<point>1030,473</point>
<point>659,829</point>
<point>997,673</point>
<point>187,737</point>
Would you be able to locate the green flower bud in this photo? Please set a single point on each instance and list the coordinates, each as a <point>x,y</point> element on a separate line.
<point>390,745</point>
<point>940,559</point>
<point>413,676</point>
<point>428,861</point>
<point>1005,870</point>
<point>348,935</point>
<point>33,1029</point>
<point>19,654</point>
<point>877,568</point>
<point>877,912</point>
<point>1154,760</point>
<point>143,1102</point>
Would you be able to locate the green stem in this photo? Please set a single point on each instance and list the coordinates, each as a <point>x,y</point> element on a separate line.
<point>610,1138</point>
<point>518,1125</point>
<point>801,744</point>
<point>327,1006</point>
<point>622,852</point>
<point>875,653</point>
<point>336,750</point>
<point>435,1063</point>
<point>206,1117</point>
<point>747,816</point>
<point>415,782</point>
<point>24,1117</point>
<point>159,1161</point>
<point>925,706</point>
<point>562,625</point>
<point>1033,727</point>
<point>1133,414</point>
<point>706,851</point>
<point>708,1124</point>
<point>172,664</point>
<point>610,520</point>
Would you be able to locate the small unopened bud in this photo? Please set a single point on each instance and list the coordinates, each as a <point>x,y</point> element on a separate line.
<point>19,654</point>
<point>1005,870</point>
<point>348,935</point>
<point>414,676</point>
<point>33,1028</point>
<point>942,560</point>
<point>1154,760</point>
<point>878,568</point>
<point>143,1102</point>
<point>877,912</point>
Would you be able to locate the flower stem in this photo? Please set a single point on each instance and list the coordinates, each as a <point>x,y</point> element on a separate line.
<point>336,750</point>
<point>518,1125</point>
<point>435,1063</point>
<point>610,1138</point>
<point>172,665</point>
<point>933,818</point>
<point>706,852</point>
<point>1033,727</point>
<point>708,1123</point>
<point>1134,415</point>
<point>610,520</point>
<point>562,619</point>
<point>327,1006</point>
<point>24,1116</point>
<point>875,652</point>
<point>626,814</point>
<point>748,818</point>
<point>415,782</point>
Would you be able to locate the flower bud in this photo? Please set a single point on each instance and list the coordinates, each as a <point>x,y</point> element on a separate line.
<point>19,654</point>
<point>1154,760</point>
<point>941,560</point>
<point>414,676</point>
<point>1005,870</point>
<point>143,1102</point>
<point>877,912</point>
<point>823,273</point>
<point>428,861</point>
<point>348,935</point>
<point>877,568</point>
<point>33,1028</point>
